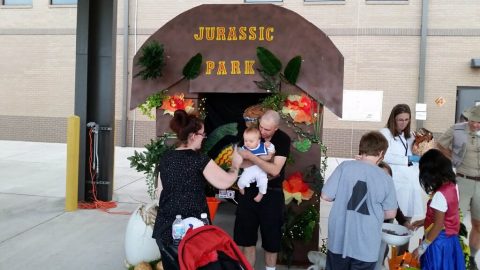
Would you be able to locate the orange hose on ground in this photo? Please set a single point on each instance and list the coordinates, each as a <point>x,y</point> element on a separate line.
<point>98,204</point>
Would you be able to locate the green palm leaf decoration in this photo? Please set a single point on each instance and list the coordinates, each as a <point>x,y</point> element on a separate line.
<point>192,68</point>
<point>270,63</point>
<point>152,61</point>
<point>293,69</point>
<point>217,134</point>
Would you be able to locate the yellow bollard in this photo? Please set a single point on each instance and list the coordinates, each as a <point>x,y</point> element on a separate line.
<point>73,146</point>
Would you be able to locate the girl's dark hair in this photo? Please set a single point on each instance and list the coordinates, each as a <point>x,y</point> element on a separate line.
<point>385,166</point>
<point>184,124</point>
<point>398,109</point>
<point>435,170</point>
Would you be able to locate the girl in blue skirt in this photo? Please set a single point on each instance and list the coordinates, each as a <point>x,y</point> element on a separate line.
<point>440,248</point>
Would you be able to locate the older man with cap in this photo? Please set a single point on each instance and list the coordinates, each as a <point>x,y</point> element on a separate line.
<point>461,142</point>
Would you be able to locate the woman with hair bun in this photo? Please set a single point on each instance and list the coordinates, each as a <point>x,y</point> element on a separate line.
<point>183,174</point>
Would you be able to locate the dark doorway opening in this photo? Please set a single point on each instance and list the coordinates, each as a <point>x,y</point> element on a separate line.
<point>466,97</point>
<point>224,108</point>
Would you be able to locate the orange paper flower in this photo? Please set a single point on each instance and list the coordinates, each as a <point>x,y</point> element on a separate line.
<point>177,102</point>
<point>301,108</point>
<point>295,188</point>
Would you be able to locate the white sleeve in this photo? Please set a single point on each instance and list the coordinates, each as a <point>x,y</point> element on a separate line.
<point>393,157</point>
<point>439,202</point>
<point>271,148</point>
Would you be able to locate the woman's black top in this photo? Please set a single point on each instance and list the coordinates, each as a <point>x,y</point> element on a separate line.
<point>183,193</point>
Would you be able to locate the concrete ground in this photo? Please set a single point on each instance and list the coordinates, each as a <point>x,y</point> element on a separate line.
<point>37,233</point>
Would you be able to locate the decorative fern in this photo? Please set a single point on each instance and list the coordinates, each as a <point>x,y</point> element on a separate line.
<point>152,61</point>
<point>269,83</point>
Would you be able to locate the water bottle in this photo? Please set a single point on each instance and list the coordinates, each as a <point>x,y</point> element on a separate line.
<point>178,230</point>
<point>204,219</point>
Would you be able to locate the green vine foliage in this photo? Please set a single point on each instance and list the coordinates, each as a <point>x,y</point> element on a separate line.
<point>152,61</point>
<point>147,161</point>
<point>301,226</point>
<point>297,227</point>
<point>152,102</point>
<point>313,137</point>
<point>274,101</point>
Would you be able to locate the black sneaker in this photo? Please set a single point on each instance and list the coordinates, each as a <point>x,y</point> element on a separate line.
<point>473,264</point>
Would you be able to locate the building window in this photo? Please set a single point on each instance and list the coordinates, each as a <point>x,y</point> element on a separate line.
<point>263,1</point>
<point>64,2</point>
<point>17,2</point>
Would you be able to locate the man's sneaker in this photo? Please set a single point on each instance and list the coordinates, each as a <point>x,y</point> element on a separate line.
<point>473,264</point>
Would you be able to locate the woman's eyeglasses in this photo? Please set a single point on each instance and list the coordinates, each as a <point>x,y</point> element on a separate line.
<point>204,135</point>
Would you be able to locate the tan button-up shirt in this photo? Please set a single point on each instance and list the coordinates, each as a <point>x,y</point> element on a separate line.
<point>471,161</point>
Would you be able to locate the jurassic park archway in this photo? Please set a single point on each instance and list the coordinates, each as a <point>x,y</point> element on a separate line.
<point>228,37</point>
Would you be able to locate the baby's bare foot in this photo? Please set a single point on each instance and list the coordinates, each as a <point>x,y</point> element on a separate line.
<point>242,191</point>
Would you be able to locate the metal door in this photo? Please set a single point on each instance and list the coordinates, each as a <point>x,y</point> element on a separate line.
<point>466,98</point>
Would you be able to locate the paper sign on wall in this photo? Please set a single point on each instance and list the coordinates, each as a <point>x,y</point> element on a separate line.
<point>421,111</point>
<point>362,105</point>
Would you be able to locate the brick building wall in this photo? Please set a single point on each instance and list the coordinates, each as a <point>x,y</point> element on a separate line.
<point>380,41</point>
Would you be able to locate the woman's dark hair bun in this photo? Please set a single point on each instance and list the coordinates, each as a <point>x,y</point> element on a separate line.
<point>183,124</point>
<point>179,121</point>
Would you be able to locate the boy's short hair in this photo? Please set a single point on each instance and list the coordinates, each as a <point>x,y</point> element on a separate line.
<point>372,143</point>
<point>252,130</point>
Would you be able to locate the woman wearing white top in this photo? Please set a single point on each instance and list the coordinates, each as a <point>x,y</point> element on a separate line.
<point>410,194</point>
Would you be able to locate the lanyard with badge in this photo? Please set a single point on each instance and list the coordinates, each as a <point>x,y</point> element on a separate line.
<point>405,145</point>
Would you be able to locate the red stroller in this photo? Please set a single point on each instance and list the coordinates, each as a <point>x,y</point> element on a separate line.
<point>209,247</point>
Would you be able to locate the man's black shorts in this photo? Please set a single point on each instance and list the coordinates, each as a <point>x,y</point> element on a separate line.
<point>268,214</point>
